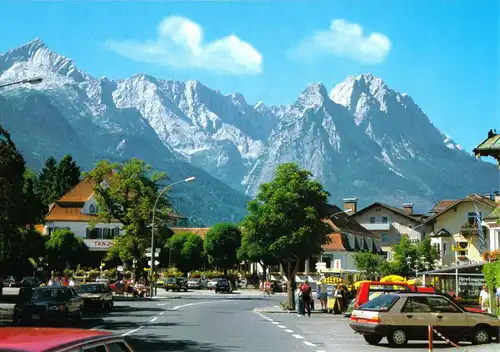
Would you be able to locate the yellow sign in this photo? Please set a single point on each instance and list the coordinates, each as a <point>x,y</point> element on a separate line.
<point>147,269</point>
<point>103,264</point>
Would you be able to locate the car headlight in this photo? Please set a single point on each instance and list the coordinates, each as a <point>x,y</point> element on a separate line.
<point>53,308</point>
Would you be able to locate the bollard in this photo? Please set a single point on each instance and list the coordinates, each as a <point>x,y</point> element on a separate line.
<point>431,337</point>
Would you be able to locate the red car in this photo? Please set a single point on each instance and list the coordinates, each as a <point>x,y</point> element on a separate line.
<point>60,340</point>
<point>369,290</point>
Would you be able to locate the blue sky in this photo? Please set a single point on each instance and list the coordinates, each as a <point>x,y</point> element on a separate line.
<point>442,53</point>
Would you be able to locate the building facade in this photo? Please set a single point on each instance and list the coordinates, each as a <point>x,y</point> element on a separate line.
<point>454,231</point>
<point>77,211</point>
<point>388,223</point>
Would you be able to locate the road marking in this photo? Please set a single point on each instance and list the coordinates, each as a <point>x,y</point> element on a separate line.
<point>161,313</point>
<point>288,330</point>
<point>204,302</point>
<point>282,326</point>
<point>98,327</point>
<point>152,320</point>
<point>161,304</point>
<point>275,322</point>
<point>297,336</point>
<point>276,306</point>
<point>310,344</point>
<point>132,331</point>
<point>320,351</point>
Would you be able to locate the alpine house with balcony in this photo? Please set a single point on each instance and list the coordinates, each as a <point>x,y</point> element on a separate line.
<point>388,223</point>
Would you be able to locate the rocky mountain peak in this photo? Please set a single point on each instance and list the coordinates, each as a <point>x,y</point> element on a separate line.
<point>313,96</point>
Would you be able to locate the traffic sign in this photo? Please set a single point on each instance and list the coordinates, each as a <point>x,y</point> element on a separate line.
<point>157,250</point>
<point>149,255</point>
<point>156,262</point>
<point>147,269</point>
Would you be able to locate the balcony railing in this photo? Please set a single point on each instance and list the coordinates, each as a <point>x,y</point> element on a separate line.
<point>471,229</point>
<point>377,226</point>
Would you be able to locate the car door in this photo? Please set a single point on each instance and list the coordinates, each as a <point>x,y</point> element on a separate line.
<point>452,322</point>
<point>416,315</point>
<point>74,300</point>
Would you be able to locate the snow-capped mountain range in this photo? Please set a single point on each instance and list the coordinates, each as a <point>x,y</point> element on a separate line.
<point>361,139</point>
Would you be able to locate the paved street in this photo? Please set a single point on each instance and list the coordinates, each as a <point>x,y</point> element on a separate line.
<point>204,321</point>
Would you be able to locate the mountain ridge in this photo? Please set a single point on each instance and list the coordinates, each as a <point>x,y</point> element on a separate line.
<point>361,138</point>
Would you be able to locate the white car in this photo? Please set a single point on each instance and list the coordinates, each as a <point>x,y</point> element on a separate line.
<point>211,284</point>
<point>406,316</point>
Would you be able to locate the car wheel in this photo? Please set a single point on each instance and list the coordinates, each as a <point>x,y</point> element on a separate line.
<point>481,335</point>
<point>373,339</point>
<point>185,290</point>
<point>397,337</point>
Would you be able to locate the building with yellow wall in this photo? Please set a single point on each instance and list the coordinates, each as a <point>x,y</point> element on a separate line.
<point>455,232</point>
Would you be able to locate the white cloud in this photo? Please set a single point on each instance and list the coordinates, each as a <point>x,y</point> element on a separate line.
<point>347,40</point>
<point>180,44</point>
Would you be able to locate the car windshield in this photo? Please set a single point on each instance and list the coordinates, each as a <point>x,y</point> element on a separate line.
<point>90,288</point>
<point>384,302</point>
<point>171,280</point>
<point>48,294</point>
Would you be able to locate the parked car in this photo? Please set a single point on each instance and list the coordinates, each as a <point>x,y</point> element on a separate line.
<point>176,284</point>
<point>402,316</point>
<point>10,281</point>
<point>30,282</point>
<point>223,286</point>
<point>48,304</point>
<point>211,284</point>
<point>96,295</point>
<point>195,283</point>
<point>371,289</point>
<point>59,340</point>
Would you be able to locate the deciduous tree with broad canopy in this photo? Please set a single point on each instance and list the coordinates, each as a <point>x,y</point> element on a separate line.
<point>186,251</point>
<point>285,221</point>
<point>64,249</point>
<point>221,245</point>
<point>127,193</point>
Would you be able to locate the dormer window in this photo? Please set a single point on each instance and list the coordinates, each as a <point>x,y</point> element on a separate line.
<point>92,209</point>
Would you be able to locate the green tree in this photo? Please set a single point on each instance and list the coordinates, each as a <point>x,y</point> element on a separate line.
<point>17,208</point>
<point>286,219</point>
<point>221,244</point>
<point>64,250</point>
<point>126,193</point>
<point>371,265</point>
<point>185,251</point>
<point>254,251</point>
<point>407,248</point>
<point>55,179</point>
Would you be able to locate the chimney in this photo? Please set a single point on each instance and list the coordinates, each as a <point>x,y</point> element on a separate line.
<point>408,207</point>
<point>351,205</point>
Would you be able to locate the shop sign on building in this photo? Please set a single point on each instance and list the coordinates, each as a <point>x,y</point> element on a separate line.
<point>477,281</point>
<point>98,245</point>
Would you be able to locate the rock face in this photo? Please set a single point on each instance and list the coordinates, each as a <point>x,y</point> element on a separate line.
<point>361,139</point>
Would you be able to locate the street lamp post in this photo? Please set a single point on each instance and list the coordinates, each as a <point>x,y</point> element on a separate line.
<point>32,80</point>
<point>166,188</point>
<point>417,264</point>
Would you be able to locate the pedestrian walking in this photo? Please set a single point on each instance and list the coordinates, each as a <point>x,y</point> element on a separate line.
<point>298,301</point>
<point>306,298</point>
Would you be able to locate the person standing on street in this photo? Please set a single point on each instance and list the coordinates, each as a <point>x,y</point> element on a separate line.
<point>298,301</point>
<point>484,299</point>
<point>306,298</point>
